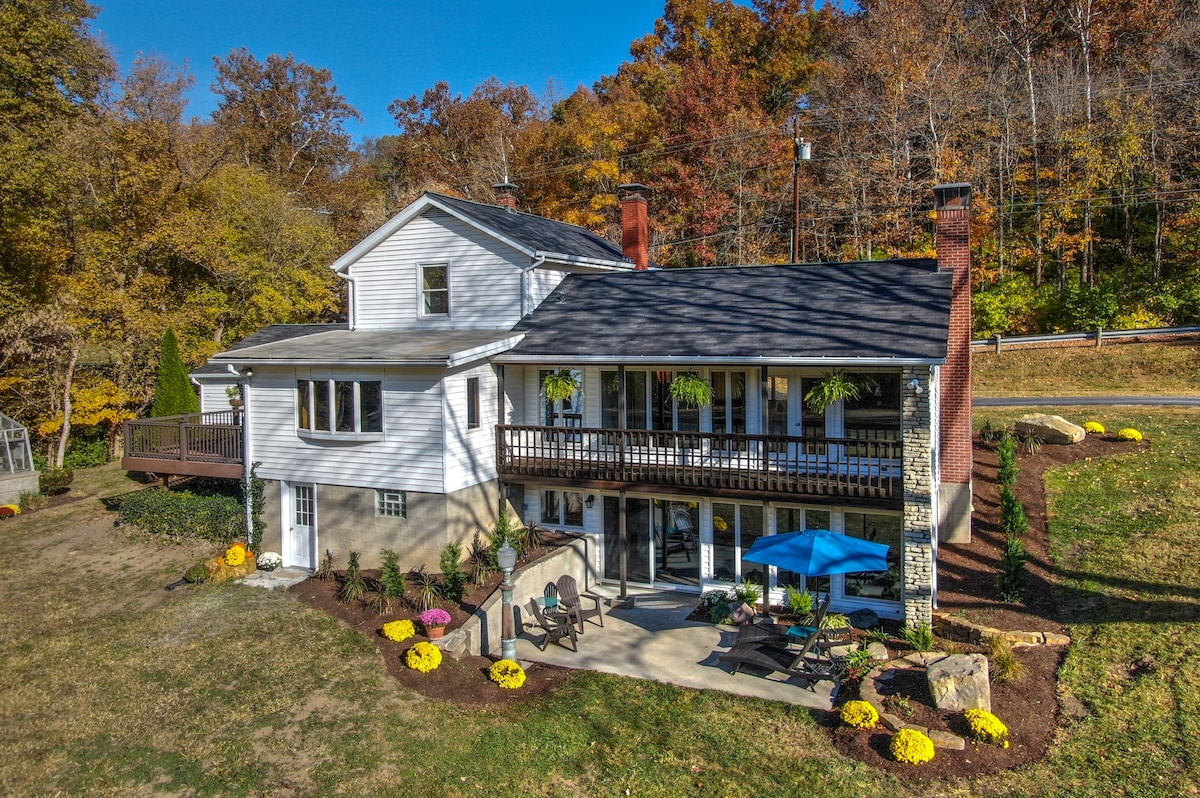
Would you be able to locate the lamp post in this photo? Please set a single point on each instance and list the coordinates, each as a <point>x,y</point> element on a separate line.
<point>506,558</point>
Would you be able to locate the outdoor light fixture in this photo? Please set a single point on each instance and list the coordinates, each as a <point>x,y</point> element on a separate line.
<point>506,558</point>
<point>590,501</point>
<point>915,385</point>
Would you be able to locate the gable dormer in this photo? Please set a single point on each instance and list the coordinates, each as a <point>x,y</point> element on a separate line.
<point>445,263</point>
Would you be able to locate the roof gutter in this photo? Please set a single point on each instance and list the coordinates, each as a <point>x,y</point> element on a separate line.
<point>646,360</point>
<point>579,260</point>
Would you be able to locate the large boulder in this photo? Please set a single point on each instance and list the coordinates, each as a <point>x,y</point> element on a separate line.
<point>1051,429</point>
<point>960,682</point>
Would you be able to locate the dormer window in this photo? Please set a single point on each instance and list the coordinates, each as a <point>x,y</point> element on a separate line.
<point>435,290</point>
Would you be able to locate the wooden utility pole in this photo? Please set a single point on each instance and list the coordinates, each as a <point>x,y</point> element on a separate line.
<point>801,151</point>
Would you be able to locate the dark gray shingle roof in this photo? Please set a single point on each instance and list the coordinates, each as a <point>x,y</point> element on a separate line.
<point>536,232</point>
<point>839,311</point>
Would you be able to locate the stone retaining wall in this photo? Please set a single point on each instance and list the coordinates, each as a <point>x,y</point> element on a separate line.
<point>963,631</point>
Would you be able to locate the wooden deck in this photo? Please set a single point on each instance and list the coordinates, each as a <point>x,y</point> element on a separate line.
<point>198,444</point>
<point>754,466</point>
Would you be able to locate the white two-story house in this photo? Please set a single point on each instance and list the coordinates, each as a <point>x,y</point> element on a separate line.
<point>411,425</point>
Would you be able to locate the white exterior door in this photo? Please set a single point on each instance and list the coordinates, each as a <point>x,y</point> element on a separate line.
<point>301,537</point>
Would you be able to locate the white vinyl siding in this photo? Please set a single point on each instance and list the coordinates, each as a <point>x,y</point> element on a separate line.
<point>212,394</point>
<point>470,453</point>
<point>408,458</point>
<point>484,275</point>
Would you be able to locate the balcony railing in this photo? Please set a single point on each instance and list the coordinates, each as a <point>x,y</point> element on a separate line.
<point>199,444</point>
<point>763,465</point>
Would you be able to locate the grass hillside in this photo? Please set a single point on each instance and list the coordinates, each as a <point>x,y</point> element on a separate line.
<point>1112,370</point>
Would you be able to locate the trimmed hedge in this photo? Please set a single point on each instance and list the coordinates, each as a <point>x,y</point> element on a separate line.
<point>183,515</point>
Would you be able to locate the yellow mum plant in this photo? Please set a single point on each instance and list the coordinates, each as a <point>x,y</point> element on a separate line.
<point>911,747</point>
<point>1093,428</point>
<point>236,554</point>
<point>859,714</point>
<point>507,674</point>
<point>986,727</point>
<point>399,630</point>
<point>423,657</point>
<point>1129,434</point>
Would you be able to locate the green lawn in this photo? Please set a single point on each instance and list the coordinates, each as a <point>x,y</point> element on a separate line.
<point>1112,370</point>
<point>113,687</point>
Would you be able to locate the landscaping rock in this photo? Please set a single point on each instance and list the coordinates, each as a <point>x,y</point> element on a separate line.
<point>891,722</point>
<point>455,644</point>
<point>878,651</point>
<point>960,681</point>
<point>1051,429</point>
<point>1053,639</point>
<point>944,739</point>
<point>863,619</point>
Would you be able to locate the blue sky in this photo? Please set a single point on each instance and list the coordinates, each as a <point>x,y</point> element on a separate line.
<point>380,51</point>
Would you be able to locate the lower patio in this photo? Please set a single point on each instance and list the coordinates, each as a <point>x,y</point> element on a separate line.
<point>650,637</point>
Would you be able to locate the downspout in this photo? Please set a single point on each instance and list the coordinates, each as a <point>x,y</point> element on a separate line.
<point>351,300</point>
<point>538,261</point>
<point>247,460</point>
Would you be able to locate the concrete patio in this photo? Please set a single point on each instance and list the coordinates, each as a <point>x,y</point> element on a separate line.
<point>654,640</point>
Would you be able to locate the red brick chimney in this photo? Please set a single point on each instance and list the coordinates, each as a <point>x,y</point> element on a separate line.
<point>953,242</point>
<point>506,195</point>
<point>635,224</point>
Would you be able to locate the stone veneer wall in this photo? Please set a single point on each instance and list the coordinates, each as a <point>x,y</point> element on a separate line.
<point>918,498</point>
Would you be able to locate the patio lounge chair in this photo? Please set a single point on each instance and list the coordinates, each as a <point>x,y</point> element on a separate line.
<point>571,600</point>
<point>802,666</point>
<point>556,626</point>
<point>781,634</point>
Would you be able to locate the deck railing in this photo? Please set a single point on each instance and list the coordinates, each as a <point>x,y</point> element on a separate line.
<point>196,437</point>
<point>765,464</point>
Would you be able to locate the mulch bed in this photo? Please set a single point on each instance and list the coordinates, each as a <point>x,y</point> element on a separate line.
<point>966,579</point>
<point>463,681</point>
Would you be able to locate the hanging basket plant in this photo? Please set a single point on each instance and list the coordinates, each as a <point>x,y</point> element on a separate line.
<point>558,386</point>
<point>691,390</point>
<point>837,386</point>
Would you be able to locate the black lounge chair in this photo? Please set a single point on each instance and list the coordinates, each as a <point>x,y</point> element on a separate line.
<point>556,625</point>
<point>781,634</point>
<point>570,600</point>
<point>803,666</point>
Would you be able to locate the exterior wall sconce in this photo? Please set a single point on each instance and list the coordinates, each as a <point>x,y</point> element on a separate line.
<point>915,385</point>
<point>590,501</point>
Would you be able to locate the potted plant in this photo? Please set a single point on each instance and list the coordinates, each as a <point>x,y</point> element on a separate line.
<point>690,390</point>
<point>559,386</point>
<point>837,386</point>
<point>434,620</point>
<point>234,392</point>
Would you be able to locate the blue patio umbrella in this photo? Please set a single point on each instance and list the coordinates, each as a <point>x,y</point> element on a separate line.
<point>818,552</point>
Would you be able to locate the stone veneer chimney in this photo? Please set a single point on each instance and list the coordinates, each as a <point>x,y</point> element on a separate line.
<point>506,195</point>
<point>635,224</point>
<point>953,242</point>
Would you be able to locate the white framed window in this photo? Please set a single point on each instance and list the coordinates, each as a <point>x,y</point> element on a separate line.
<point>563,508</point>
<point>472,402</point>
<point>340,408</point>
<point>435,289</point>
<point>391,504</point>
